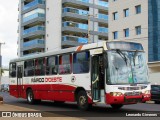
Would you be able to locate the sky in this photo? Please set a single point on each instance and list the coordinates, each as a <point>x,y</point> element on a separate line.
<point>8,30</point>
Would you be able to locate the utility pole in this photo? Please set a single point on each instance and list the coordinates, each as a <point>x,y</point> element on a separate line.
<point>89,19</point>
<point>0,63</point>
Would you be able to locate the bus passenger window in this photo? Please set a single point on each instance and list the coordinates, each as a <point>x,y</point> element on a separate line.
<point>65,63</point>
<point>40,66</point>
<point>81,62</point>
<point>51,65</point>
<point>12,70</point>
<point>29,68</point>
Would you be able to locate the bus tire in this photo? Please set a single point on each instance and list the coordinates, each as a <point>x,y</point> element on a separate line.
<point>30,97</point>
<point>37,101</point>
<point>157,102</point>
<point>116,106</point>
<point>82,101</point>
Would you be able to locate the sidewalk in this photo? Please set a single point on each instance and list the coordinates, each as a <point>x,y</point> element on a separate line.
<point>6,107</point>
<point>13,108</point>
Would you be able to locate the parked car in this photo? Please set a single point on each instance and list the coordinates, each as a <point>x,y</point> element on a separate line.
<point>5,87</point>
<point>155,93</point>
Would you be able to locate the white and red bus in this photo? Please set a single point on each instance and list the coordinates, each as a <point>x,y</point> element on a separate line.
<point>114,73</point>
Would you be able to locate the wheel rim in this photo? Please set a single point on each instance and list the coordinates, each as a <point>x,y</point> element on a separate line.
<point>82,100</point>
<point>30,97</point>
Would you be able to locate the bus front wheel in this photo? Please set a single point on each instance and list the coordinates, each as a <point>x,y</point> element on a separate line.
<point>82,101</point>
<point>116,106</point>
<point>30,97</point>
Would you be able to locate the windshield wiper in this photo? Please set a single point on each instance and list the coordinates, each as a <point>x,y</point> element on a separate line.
<point>134,57</point>
<point>122,55</point>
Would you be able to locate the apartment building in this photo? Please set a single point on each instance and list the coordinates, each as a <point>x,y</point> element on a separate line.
<point>128,20</point>
<point>48,25</point>
<point>139,21</point>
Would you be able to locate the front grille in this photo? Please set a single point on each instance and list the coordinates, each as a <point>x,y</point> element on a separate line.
<point>132,93</point>
<point>132,88</point>
<point>131,100</point>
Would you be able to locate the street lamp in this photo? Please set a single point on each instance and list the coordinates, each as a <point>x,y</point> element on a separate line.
<point>0,64</point>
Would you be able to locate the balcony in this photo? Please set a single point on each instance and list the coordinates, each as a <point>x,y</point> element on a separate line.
<point>33,3</point>
<point>33,29</point>
<point>85,1</point>
<point>103,3</point>
<point>75,39</point>
<point>103,16</point>
<point>74,10</point>
<point>34,16</point>
<point>33,43</point>
<point>103,29</point>
<point>75,25</point>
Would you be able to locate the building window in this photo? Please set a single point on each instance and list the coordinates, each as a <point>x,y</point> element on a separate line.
<point>138,9</point>
<point>115,15</point>
<point>126,12</point>
<point>52,65</point>
<point>115,35</point>
<point>65,64</point>
<point>126,32</point>
<point>81,63</point>
<point>138,30</point>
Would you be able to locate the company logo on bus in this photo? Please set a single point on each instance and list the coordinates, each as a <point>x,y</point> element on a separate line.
<point>49,79</point>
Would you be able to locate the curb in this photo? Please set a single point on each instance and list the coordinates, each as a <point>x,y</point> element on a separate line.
<point>151,102</point>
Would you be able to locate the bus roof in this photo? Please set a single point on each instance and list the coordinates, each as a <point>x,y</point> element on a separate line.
<point>63,51</point>
<point>67,50</point>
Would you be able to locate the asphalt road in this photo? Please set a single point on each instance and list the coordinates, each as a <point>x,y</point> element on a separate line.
<point>70,109</point>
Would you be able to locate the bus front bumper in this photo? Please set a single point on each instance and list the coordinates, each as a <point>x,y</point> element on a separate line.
<point>146,97</point>
<point>123,99</point>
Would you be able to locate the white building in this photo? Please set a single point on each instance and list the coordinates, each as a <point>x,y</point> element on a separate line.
<point>47,25</point>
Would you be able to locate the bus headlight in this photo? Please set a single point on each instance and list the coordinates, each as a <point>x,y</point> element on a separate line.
<point>147,92</point>
<point>115,93</point>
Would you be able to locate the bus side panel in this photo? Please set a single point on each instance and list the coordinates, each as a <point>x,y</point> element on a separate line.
<point>63,92</point>
<point>55,92</point>
<point>13,90</point>
<point>23,92</point>
<point>42,91</point>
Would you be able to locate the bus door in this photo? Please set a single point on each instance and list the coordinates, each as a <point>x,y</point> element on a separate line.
<point>95,82</point>
<point>19,80</point>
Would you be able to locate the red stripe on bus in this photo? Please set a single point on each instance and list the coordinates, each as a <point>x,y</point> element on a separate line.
<point>46,92</point>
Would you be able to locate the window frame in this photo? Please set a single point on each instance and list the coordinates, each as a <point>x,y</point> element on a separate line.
<point>126,12</point>
<point>76,62</point>
<point>138,9</point>
<point>115,15</point>
<point>56,64</point>
<point>70,61</point>
<point>43,66</point>
<point>115,35</point>
<point>125,32</point>
<point>33,68</point>
<point>137,30</point>
<point>11,76</point>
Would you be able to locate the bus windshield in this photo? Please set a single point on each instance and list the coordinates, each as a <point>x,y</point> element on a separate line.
<point>127,67</point>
